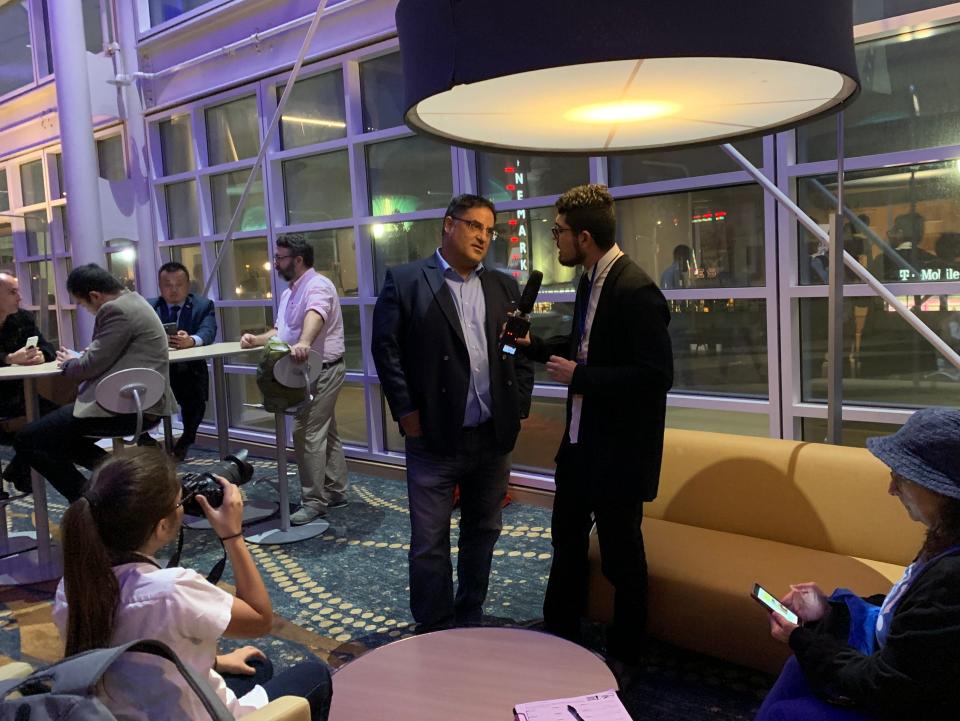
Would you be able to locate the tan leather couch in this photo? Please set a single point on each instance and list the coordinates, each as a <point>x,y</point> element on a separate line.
<point>734,510</point>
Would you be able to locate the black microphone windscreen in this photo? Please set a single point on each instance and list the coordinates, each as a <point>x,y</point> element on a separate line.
<point>530,290</point>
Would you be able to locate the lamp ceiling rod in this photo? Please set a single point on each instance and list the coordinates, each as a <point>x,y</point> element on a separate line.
<point>287,89</point>
<point>862,273</point>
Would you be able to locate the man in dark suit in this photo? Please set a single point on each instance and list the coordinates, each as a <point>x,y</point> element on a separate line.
<point>618,366</point>
<point>196,325</point>
<point>458,402</point>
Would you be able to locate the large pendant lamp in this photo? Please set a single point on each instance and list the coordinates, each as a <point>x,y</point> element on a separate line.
<point>609,76</point>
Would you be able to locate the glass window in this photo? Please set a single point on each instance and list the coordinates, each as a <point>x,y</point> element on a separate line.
<point>351,415</point>
<point>706,419</point>
<point>225,192</point>
<point>525,243</point>
<point>60,219</point>
<point>907,100</point>
<point>317,188</point>
<point>396,243</point>
<point>852,433</point>
<point>245,272</point>
<point>183,211</point>
<point>408,174</point>
<point>514,177</point>
<point>549,318</point>
<point>51,332</point>
<point>244,404</point>
<point>15,57</point>
<point>335,255</point>
<point>190,257</point>
<point>675,164</point>
<point>42,282</point>
<point>885,361</point>
<point>123,266</point>
<point>719,347</point>
<point>392,438</point>
<point>709,238</point>
<point>353,356</point>
<point>37,232</point>
<point>235,321</point>
<point>4,193</point>
<point>381,92</point>
<point>314,112</point>
<point>110,158</point>
<point>865,11</point>
<point>907,227</point>
<point>6,248</point>
<point>58,184</point>
<point>541,436</point>
<point>176,144</point>
<point>31,183</point>
<point>163,10</point>
<point>233,131</point>
<point>92,29</point>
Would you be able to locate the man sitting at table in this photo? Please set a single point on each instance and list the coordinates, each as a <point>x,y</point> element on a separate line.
<point>126,334</point>
<point>16,328</point>
<point>196,326</point>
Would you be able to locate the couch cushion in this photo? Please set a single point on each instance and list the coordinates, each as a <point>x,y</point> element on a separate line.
<point>700,583</point>
<point>824,497</point>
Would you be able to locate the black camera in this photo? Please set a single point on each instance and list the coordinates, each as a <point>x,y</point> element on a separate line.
<point>235,468</point>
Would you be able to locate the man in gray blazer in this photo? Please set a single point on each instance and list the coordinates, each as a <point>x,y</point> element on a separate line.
<point>127,333</point>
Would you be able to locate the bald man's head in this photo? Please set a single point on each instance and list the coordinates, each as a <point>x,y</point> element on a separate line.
<point>9,294</point>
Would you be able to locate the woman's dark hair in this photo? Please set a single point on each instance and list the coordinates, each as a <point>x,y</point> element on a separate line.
<point>85,279</point>
<point>944,533</point>
<point>128,494</point>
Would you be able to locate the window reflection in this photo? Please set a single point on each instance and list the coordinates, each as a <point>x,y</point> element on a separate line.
<point>6,249</point>
<point>334,255</point>
<point>225,192</point>
<point>233,131</point>
<point>907,99</point>
<point>719,347</point>
<point>176,144</point>
<point>235,321</point>
<point>675,164</point>
<point>245,404</point>
<point>37,232</point>
<point>381,92</point>
<point>42,282</point>
<point>17,61</point>
<point>397,243</point>
<point>245,272</point>
<point>314,112</point>
<point>183,212</point>
<point>110,158</point>
<point>351,414</point>
<point>317,188</point>
<point>885,361</point>
<point>123,266</point>
<point>514,177</point>
<point>31,183</point>
<point>707,419</point>
<point>542,432</point>
<point>4,192</point>
<point>701,239</point>
<point>408,174</point>
<point>191,258</point>
<point>526,244</point>
<point>353,356</point>
<point>904,223</point>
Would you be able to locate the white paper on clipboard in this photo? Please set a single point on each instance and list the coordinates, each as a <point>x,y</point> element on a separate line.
<point>604,706</point>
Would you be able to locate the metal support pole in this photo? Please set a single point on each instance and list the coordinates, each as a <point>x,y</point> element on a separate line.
<point>852,263</point>
<point>835,350</point>
<point>76,139</point>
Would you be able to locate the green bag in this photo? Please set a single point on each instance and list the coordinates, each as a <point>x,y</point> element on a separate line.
<point>276,396</point>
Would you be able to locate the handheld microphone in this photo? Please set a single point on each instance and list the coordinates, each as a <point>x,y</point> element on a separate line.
<point>518,322</point>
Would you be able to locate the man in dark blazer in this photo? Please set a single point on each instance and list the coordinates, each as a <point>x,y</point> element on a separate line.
<point>618,366</point>
<point>196,325</point>
<point>458,401</point>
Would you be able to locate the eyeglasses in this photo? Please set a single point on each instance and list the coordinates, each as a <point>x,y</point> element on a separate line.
<point>281,257</point>
<point>557,230</point>
<point>478,227</point>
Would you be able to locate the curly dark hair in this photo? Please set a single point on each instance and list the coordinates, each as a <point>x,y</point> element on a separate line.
<point>590,208</point>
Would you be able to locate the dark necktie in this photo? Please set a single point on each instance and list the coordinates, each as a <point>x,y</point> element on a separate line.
<point>580,310</point>
<point>174,313</point>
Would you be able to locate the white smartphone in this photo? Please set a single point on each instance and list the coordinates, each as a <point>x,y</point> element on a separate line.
<point>769,602</point>
<point>32,341</point>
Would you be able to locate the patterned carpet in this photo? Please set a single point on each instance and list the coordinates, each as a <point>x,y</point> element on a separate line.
<point>345,592</point>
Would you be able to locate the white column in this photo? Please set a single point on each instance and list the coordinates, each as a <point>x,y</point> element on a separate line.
<point>80,170</point>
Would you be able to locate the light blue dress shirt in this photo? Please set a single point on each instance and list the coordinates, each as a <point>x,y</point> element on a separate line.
<point>471,307</point>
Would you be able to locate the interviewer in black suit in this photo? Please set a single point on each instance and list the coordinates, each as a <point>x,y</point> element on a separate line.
<point>618,366</point>
<point>196,325</point>
<point>458,402</point>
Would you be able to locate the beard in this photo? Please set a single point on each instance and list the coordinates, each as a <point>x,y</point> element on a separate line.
<point>577,258</point>
<point>287,275</point>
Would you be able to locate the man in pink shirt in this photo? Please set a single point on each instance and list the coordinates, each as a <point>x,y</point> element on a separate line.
<point>308,319</point>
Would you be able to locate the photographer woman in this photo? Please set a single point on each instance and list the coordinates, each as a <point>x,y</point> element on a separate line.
<point>893,657</point>
<point>113,591</point>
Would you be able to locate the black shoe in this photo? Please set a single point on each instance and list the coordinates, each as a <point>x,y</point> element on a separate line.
<point>19,475</point>
<point>180,449</point>
<point>146,440</point>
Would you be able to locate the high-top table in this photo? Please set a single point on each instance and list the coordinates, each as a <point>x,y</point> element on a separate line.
<point>39,562</point>
<point>478,674</point>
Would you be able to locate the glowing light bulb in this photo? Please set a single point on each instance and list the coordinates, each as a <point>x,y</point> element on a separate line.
<point>621,111</point>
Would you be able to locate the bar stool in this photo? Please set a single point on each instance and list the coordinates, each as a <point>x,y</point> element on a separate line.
<point>130,391</point>
<point>11,545</point>
<point>278,530</point>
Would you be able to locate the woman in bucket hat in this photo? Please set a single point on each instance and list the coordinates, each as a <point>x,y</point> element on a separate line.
<point>898,656</point>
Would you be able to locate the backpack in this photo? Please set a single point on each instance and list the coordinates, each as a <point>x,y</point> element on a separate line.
<point>66,690</point>
<point>276,396</point>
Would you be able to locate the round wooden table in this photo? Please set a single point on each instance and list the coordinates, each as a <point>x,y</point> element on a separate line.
<point>464,673</point>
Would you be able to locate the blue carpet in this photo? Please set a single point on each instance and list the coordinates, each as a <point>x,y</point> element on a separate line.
<point>345,592</point>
